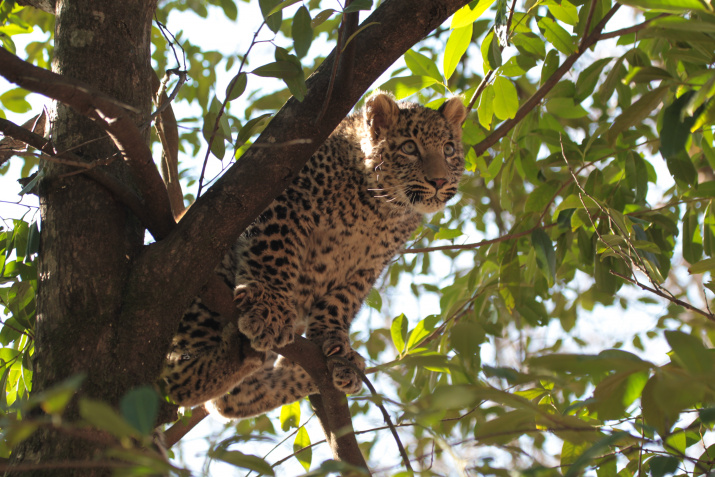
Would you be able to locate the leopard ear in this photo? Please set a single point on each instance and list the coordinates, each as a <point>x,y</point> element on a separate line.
<point>381,112</point>
<point>454,112</point>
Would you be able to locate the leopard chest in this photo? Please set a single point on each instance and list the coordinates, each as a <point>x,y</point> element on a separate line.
<point>343,251</point>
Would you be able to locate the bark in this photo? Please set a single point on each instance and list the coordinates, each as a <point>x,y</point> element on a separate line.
<point>88,238</point>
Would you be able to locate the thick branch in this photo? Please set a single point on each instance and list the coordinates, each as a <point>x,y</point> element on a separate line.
<point>112,117</point>
<point>44,5</point>
<point>330,405</point>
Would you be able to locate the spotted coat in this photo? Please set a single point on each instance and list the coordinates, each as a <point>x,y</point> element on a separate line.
<point>309,260</point>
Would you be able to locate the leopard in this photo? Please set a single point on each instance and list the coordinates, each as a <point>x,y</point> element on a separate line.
<point>307,263</point>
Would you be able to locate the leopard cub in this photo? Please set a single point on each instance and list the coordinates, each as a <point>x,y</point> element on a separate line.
<point>308,261</point>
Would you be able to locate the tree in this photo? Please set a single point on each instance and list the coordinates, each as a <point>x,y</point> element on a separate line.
<point>572,116</point>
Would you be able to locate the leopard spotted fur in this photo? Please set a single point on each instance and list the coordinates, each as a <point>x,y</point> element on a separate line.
<point>309,260</point>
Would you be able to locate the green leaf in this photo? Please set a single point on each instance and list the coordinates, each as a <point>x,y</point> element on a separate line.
<point>530,44</point>
<point>457,44</point>
<point>245,461</point>
<point>302,32</point>
<point>703,266</point>
<point>102,416</point>
<point>486,107</point>
<point>506,101</point>
<point>468,15</point>
<point>247,130</point>
<point>564,11</point>
<point>278,69</point>
<point>675,131</point>
<point>236,86</point>
<point>551,64</point>
<point>589,77</point>
<point>565,108</point>
<point>229,9</point>
<point>447,234</point>
<point>302,441</point>
<point>557,36</point>
<point>660,465</point>
<point>636,112</point>
<point>690,352</point>
<point>466,338</point>
<point>421,331</point>
<point>545,255</point>
<point>290,415</point>
<point>671,6</point>
<point>56,399</point>
<point>281,6</point>
<point>321,17</point>
<point>140,407</point>
<point>374,300</point>
<point>398,331</point>
<point>617,392</point>
<point>420,65</point>
<point>14,100</point>
<point>272,20</point>
<point>404,86</point>
<point>692,240</point>
<point>357,5</point>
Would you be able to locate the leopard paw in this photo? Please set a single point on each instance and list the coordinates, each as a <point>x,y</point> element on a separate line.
<point>265,328</point>
<point>246,293</point>
<point>345,377</point>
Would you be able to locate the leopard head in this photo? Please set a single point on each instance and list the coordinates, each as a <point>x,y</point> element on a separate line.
<point>415,153</point>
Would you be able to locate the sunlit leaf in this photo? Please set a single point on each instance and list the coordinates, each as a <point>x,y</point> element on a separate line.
<point>457,44</point>
<point>301,446</point>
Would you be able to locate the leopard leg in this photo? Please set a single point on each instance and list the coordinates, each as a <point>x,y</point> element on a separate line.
<point>267,259</point>
<point>207,358</point>
<point>265,390</point>
<point>329,326</point>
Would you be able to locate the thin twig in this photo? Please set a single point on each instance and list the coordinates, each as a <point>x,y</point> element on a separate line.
<point>123,193</point>
<point>589,18</point>
<point>633,29</point>
<point>672,299</point>
<point>221,111</point>
<point>483,243</point>
<point>479,90</point>
<point>377,400</point>
<point>334,72</point>
<point>177,431</point>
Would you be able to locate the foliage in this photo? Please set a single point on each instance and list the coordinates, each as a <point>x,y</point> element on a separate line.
<point>579,218</point>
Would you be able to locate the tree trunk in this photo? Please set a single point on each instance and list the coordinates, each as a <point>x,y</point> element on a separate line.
<point>88,238</point>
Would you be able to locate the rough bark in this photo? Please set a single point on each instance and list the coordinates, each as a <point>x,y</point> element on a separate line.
<point>88,238</point>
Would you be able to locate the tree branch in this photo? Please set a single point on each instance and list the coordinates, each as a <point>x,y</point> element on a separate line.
<point>331,405</point>
<point>121,192</point>
<point>536,98</point>
<point>112,117</point>
<point>44,5</point>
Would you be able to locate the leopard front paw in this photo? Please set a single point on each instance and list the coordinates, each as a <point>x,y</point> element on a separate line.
<point>246,293</point>
<point>266,328</point>
<point>345,377</point>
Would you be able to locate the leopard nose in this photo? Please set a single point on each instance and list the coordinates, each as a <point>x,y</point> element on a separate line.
<point>437,183</point>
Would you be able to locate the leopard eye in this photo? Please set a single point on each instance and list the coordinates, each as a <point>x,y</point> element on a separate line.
<point>409,148</point>
<point>448,149</point>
